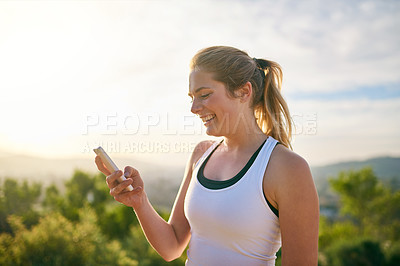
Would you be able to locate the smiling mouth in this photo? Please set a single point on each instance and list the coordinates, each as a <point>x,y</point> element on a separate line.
<point>207,118</point>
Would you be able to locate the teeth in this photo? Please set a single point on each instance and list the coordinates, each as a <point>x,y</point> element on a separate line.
<point>207,118</point>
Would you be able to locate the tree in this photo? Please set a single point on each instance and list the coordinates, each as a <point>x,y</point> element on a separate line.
<point>117,221</point>
<point>81,190</point>
<point>369,211</point>
<point>53,201</point>
<point>359,252</point>
<point>58,241</point>
<point>18,199</point>
<point>368,203</point>
<point>138,247</point>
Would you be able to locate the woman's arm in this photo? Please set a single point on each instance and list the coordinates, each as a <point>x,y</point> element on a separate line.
<point>296,198</point>
<point>170,238</point>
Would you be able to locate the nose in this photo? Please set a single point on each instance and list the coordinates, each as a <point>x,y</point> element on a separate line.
<point>196,107</point>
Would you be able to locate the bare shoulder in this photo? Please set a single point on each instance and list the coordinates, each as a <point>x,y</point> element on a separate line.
<point>287,171</point>
<point>288,164</point>
<point>199,150</point>
<point>292,189</point>
<point>202,147</point>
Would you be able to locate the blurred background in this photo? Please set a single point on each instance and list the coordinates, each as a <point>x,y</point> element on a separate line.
<point>78,74</point>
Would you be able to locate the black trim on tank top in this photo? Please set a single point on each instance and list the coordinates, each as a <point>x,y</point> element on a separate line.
<point>273,209</point>
<point>218,184</point>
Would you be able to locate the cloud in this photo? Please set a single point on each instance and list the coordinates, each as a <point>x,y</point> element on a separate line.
<point>322,46</point>
<point>347,129</point>
<point>64,60</point>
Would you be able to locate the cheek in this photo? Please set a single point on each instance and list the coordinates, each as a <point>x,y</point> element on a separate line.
<point>218,102</point>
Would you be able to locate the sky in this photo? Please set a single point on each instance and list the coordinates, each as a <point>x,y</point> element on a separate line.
<point>78,74</point>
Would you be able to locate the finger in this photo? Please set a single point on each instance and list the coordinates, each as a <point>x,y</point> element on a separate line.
<point>112,180</point>
<point>120,197</point>
<point>130,172</point>
<point>120,187</point>
<point>101,166</point>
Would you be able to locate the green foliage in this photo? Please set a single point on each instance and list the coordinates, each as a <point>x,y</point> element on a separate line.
<point>84,189</point>
<point>357,191</point>
<point>359,252</point>
<point>393,254</point>
<point>18,199</point>
<point>82,226</point>
<point>58,241</point>
<point>85,226</point>
<point>370,210</point>
<point>369,203</point>
<point>53,199</point>
<point>278,261</point>
<point>137,245</point>
<point>331,232</point>
<point>116,222</point>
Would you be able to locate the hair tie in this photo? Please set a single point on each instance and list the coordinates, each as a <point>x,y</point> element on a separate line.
<point>259,68</point>
<point>256,60</point>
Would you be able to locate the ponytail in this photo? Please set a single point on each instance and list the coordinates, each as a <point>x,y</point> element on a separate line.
<point>272,112</point>
<point>234,68</point>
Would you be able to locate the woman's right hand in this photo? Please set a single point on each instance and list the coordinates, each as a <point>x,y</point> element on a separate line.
<point>133,198</point>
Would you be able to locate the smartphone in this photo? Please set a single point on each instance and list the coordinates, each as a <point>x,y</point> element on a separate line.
<point>111,166</point>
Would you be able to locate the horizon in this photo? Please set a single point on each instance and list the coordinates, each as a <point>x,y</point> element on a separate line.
<point>76,74</point>
<point>127,156</point>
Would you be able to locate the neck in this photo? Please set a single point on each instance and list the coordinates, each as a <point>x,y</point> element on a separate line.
<point>247,135</point>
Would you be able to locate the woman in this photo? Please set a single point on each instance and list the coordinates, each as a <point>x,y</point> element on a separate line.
<point>243,198</point>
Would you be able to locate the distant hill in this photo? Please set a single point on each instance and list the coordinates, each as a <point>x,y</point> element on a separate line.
<point>384,167</point>
<point>387,169</point>
<point>48,170</point>
<point>162,182</point>
<point>37,168</point>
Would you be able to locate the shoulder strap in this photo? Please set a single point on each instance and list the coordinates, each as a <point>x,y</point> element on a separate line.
<point>265,154</point>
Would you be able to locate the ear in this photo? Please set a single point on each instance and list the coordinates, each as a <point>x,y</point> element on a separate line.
<point>244,93</point>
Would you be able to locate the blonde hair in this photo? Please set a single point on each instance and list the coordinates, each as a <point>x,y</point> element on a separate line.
<point>234,68</point>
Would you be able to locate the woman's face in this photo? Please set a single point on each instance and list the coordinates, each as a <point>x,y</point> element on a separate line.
<point>211,102</point>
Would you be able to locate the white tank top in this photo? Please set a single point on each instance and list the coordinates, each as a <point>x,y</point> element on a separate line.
<point>232,225</point>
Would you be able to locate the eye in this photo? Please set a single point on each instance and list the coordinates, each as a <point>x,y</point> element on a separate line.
<point>205,96</point>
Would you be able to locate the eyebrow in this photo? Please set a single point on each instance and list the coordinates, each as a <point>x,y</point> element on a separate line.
<point>197,90</point>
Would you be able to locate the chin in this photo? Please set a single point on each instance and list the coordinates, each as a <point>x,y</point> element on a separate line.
<point>210,131</point>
